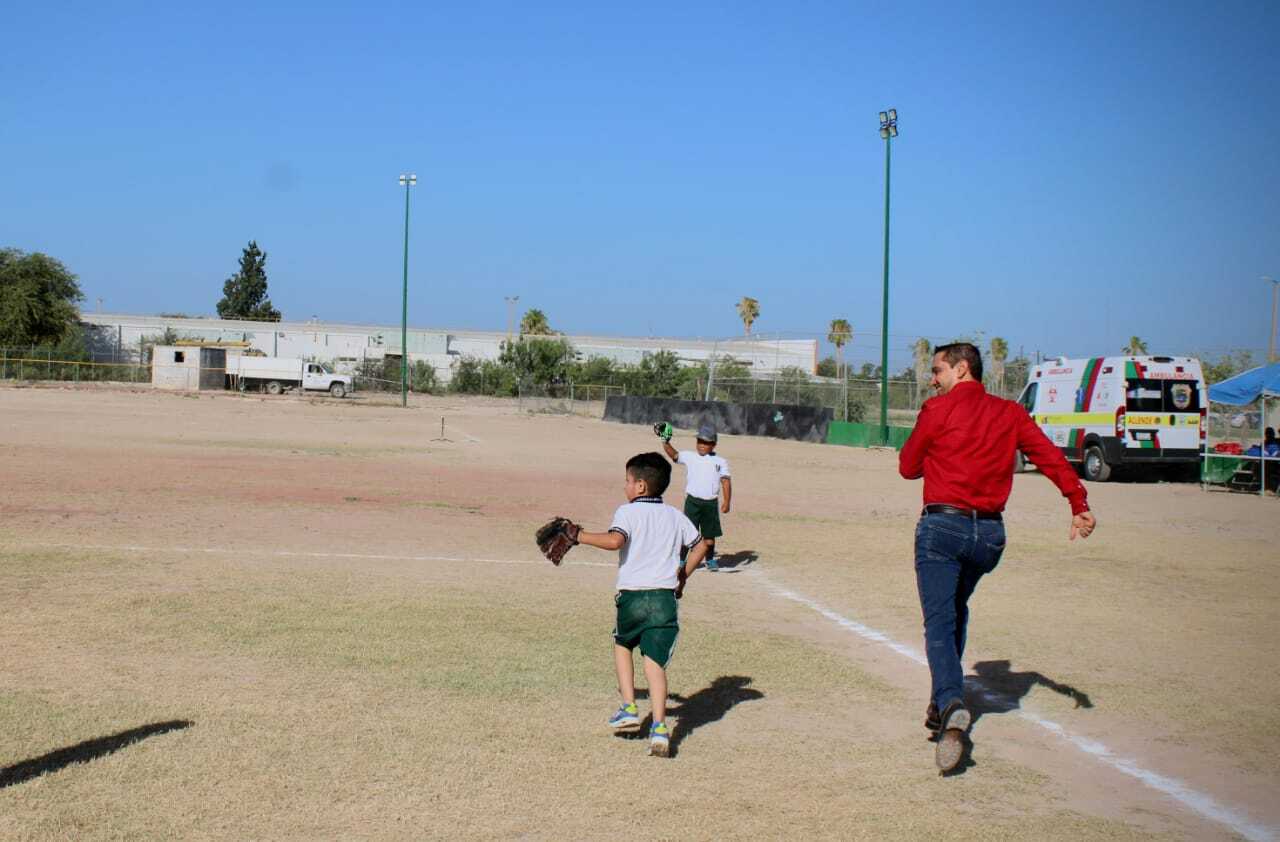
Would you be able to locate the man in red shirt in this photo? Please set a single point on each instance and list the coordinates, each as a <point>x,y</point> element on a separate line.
<point>964,444</point>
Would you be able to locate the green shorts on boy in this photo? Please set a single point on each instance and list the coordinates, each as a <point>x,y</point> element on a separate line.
<point>650,538</point>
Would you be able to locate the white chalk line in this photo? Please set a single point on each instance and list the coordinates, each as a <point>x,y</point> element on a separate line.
<point>1197,801</point>
<point>134,548</point>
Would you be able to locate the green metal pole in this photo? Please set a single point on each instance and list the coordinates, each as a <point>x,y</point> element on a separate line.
<point>884,333</point>
<point>404,311</point>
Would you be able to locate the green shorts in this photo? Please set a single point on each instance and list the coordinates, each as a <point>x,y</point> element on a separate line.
<point>648,619</point>
<point>705,515</point>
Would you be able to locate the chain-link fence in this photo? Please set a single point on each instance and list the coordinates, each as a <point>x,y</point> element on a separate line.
<point>855,400</point>
<point>585,399</point>
<point>45,364</point>
<point>1244,425</point>
<point>731,376</point>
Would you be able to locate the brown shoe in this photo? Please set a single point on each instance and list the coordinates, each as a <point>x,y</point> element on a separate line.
<point>949,750</point>
<point>932,720</point>
<point>954,724</point>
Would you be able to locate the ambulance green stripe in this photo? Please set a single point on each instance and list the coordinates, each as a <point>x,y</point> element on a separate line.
<point>1086,384</point>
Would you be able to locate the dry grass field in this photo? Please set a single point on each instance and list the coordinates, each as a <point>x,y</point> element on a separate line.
<point>227,617</point>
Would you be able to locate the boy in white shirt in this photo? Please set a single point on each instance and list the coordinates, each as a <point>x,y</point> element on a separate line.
<point>708,480</point>
<point>650,537</point>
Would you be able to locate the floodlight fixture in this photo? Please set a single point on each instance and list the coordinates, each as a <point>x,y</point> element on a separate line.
<point>893,115</point>
<point>884,133</point>
<point>893,130</point>
<point>884,118</point>
<point>408,180</point>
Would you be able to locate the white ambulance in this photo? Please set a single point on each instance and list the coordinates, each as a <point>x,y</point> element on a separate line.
<point>1107,413</point>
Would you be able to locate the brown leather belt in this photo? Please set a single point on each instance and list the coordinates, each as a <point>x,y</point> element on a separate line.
<point>942,509</point>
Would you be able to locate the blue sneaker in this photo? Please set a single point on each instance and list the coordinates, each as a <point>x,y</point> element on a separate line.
<point>711,565</point>
<point>626,717</point>
<point>659,740</point>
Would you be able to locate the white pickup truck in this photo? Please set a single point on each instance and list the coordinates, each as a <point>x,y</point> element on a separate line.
<point>275,374</point>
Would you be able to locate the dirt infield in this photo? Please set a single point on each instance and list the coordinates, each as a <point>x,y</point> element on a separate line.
<point>246,617</point>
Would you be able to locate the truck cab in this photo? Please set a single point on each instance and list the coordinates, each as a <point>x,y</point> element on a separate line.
<point>322,378</point>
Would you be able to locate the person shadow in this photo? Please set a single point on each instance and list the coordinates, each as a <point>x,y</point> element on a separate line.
<point>733,562</point>
<point>84,752</point>
<point>708,705</point>
<point>994,688</point>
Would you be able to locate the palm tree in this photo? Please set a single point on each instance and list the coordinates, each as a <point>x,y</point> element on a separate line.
<point>922,357</point>
<point>840,333</point>
<point>535,323</point>
<point>1135,348</point>
<point>999,353</point>
<point>748,311</point>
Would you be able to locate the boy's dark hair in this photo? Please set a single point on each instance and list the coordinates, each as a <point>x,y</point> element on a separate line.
<point>967,351</point>
<point>653,469</point>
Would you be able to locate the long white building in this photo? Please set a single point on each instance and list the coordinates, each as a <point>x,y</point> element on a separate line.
<point>114,336</point>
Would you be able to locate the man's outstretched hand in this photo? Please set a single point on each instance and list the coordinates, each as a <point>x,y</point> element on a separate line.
<point>1083,525</point>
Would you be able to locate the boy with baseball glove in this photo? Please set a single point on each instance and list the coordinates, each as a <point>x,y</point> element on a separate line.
<point>650,538</point>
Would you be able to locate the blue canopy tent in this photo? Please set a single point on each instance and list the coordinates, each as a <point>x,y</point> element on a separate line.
<point>1248,386</point>
<point>1256,384</point>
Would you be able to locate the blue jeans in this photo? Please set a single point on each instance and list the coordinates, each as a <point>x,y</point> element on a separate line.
<point>952,553</point>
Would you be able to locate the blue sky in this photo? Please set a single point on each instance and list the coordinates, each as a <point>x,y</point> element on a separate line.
<point>1066,175</point>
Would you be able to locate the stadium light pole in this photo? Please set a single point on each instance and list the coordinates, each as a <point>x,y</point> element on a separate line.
<point>407,180</point>
<point>888,131</point>
<point>1275,285</point>
<point>512,301</point>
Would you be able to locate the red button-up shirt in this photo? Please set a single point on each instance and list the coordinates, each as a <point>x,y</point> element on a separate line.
<point>963,445</point>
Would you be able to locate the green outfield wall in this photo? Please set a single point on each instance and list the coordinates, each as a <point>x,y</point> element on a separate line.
<point>864,435</point>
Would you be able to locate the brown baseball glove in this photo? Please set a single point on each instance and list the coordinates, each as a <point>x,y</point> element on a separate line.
<point>556,537</point>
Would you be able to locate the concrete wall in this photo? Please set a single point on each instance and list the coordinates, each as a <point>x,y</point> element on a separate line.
<point>175,368</point>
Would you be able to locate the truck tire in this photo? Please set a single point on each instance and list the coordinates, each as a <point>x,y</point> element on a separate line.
<point>338,390</point>
<point>274,387</point>
<point>1095,466</point>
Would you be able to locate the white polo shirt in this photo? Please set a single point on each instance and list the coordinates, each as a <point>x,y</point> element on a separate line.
<point>705,473</point>
<point>655,533</point>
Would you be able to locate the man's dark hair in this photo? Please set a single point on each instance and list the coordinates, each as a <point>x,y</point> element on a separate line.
<point>653,469</point>
<point>967,351</point>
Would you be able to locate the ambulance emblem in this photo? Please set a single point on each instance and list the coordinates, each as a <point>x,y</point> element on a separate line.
<point>1180,393</point>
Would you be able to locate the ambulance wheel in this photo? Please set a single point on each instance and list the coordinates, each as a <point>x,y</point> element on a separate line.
<point>1096,468</point>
